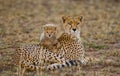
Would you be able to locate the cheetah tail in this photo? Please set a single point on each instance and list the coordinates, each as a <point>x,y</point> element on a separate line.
<point>63,65</point>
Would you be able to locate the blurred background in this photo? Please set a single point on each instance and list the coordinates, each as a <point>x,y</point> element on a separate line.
<point>21,21</point>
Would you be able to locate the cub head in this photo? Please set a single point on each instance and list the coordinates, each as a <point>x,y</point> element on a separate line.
<point>72,24</point>
<point>50,30</point>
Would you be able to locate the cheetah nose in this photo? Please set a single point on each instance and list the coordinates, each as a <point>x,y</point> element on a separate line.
<point>49,35</point>
<point>74,29</point>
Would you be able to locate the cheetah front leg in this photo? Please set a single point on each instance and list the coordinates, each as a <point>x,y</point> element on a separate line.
<point>21,70</point>
<point>82,59</point>
<point>39,72</point>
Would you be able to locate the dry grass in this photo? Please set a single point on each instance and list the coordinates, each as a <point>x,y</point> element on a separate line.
<point>21,21</point>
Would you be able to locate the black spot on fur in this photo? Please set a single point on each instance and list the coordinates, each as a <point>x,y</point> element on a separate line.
<point>63,65</point>
<point>58,66</point>
<point>49,69</point>
<point>75,63</point>
<point>71,62</point>
<point>67,64</point>
<point>60,57</point>
<point>54,67</point>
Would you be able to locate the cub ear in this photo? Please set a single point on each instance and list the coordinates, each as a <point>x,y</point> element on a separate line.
<point>64,18</point>
<point>80,18</point>
<point>44,27</point>
<point>56,29</point>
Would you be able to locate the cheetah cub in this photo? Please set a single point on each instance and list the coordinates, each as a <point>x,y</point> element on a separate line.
<point>48,37</point>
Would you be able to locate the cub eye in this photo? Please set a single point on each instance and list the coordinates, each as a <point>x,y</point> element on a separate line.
<point>78,23</point>
<point>70,23</point>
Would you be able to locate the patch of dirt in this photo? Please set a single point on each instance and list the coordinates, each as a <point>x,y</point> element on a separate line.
<point>21,21</point>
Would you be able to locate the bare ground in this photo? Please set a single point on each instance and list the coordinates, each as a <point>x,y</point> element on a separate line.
<point>21,21</point>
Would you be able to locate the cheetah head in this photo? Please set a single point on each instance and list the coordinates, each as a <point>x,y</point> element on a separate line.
<point>72,25</point>
<point>50,30</point>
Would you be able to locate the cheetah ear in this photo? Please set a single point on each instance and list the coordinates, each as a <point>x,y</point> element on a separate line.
<point>80,18</point>
<point>64,18</point>
<point>55,28</point>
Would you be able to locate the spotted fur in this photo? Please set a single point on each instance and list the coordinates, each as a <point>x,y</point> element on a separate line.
<point>48,38</point>
<point>34,56</point>
<point>71,43</point>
